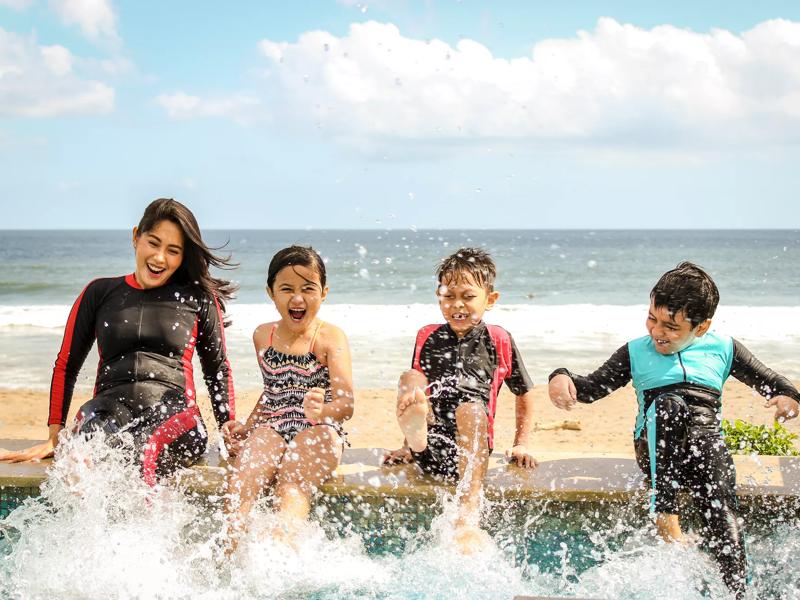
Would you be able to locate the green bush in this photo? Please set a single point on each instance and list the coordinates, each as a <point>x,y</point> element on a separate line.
<point>742,437</point>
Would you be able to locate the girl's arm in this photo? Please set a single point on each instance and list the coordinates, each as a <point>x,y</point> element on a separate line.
<point>261,337</point>
<point>336,352</point>
<point>235,433</point>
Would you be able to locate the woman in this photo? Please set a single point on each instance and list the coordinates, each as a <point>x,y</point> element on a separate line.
<point>147,326</point>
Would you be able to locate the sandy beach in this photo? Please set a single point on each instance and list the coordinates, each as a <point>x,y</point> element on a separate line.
<point>605,425</point>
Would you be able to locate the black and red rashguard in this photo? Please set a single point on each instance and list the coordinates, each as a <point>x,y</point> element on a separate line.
<point>459,370</point>
<point>145,385</point>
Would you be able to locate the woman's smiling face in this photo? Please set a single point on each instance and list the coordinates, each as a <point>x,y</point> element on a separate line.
<point>159,253</point>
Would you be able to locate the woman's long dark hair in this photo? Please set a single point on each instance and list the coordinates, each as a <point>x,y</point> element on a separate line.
<point>197,257</point>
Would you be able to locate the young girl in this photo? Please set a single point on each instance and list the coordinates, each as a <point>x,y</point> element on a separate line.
<point>293,438</point>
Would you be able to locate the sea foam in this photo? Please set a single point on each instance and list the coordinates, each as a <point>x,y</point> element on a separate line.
<point>578,336</point>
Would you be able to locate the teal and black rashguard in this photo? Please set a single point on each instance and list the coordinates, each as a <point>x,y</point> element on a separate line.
<point>677,436</point>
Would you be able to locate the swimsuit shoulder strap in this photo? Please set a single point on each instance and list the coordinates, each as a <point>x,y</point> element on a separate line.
<point>271,333</point>
<point>314,337</point>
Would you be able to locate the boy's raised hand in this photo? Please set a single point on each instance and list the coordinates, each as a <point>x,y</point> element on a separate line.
<point>785,407</point>
<point>562,392</point>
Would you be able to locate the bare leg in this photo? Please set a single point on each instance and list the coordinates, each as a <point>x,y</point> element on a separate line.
<point>473,461</point>
<point>413,409</point>
<point>311,459</point>
<point>669,527</point>
<point>252,471</point>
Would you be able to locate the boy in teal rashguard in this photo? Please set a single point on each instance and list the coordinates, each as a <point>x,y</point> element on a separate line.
<point>678,371</point>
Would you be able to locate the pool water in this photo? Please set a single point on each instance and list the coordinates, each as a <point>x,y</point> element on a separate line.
<point>99,532</point>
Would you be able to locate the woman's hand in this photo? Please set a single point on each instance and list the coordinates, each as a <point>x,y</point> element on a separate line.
<point>313,402</point>
<point>34,453</point>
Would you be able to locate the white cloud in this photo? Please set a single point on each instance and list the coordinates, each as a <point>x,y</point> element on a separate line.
<point>242,108</point>
<point>618,84</point>
<point>16,4</point>
<point>42,81</point>
<point>95,18</point>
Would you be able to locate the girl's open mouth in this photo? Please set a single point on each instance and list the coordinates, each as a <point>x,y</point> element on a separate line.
<point>155,271</point>
<point>297,314</point>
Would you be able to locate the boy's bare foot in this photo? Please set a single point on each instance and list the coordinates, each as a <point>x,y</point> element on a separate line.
<point>470,539</point>
<point>412,415</point>
<point>669,528</point>
<point>287,532</point>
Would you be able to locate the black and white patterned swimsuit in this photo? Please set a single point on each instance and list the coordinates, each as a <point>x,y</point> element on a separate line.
<point>287,378</point>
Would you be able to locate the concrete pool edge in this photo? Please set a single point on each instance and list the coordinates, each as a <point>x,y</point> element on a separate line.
<point>587,478</point>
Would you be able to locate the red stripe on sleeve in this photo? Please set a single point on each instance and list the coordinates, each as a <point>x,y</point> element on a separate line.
<point>58,383</point>
<point>231,394</point>
<point>502,344</point>
<point>188,368</point>
<point>422,337</point>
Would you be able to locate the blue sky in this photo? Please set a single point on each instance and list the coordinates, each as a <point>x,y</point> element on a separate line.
<point>401,114</point>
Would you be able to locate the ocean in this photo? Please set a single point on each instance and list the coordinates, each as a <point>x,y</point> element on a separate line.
<point>569,298</point>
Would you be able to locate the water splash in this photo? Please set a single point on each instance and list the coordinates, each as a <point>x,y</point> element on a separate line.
<point>97,531</point>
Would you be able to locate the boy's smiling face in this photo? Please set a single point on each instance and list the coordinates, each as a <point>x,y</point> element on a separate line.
<point>463,302</point>
<point>672,333</point>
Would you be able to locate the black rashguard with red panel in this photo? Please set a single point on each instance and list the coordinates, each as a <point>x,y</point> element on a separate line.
<point>461,370</point>
<point>145,385</point>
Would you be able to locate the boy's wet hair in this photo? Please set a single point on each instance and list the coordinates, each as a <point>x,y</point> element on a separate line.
<point>468,263</point>
<point>687,288</point>
<point>303,256</point>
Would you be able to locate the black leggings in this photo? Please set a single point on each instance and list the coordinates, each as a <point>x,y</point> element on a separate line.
<point>695,458</point>
<point>168,434</point>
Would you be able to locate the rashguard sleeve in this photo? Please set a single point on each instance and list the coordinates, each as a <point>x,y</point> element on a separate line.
<point>214,361</point>
<point>418,363</point>
<point>79,335</point>
<point>753,373</point>
<point>518,380</point>
<point>613,374</point>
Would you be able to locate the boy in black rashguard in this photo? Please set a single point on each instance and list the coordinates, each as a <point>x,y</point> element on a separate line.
<point>447,401</point>
<point>678,371</point>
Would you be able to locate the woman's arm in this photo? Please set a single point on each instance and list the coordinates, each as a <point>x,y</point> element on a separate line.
<point>214,361</point>
<point>79,335</point>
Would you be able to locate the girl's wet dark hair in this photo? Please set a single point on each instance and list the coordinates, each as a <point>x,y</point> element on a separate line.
<point>303,256</point>
<point>198,258</point>
<point>687,288</point>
